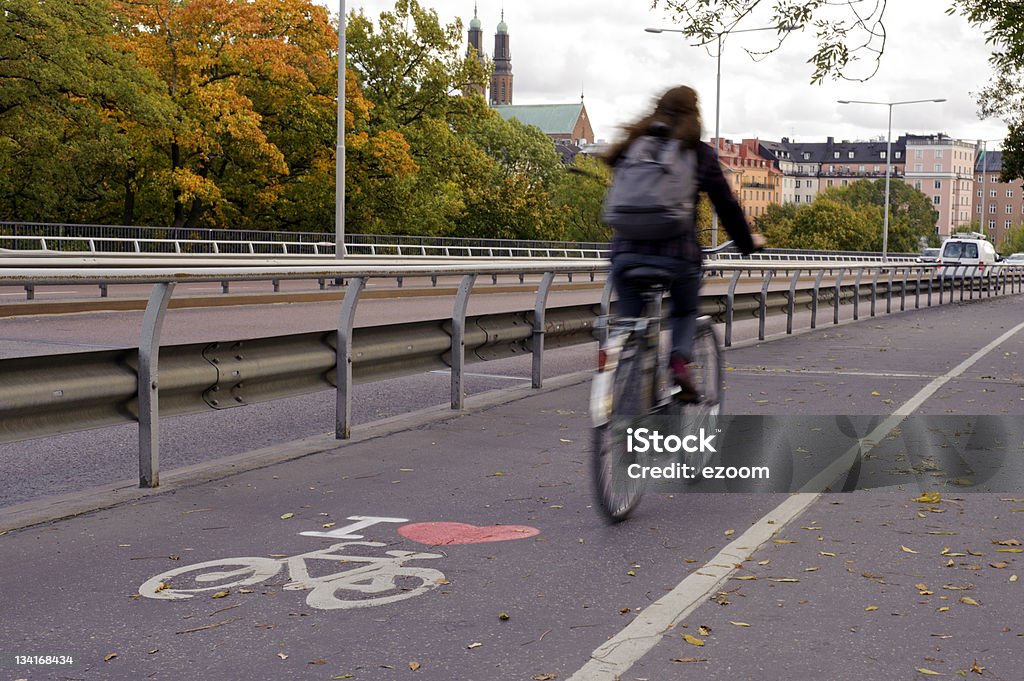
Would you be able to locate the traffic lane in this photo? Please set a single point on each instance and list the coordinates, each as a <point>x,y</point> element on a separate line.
<point>32,469</point>
<point>870,585</point>
<point>875,366</point>
<point>78,332</point>
<point>565,590</point>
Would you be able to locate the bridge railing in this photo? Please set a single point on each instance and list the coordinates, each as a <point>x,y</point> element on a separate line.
<point>53,394</point>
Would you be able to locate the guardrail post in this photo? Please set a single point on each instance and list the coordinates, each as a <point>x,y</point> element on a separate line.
<point>605,310</point>
<point>835,301</point>
<point>856,295</point>
<point>400,281</point>
<point>730,300</point>
<point>323,283</point>
<point>917,290</point>
<point>942,287</point>
<point>103,290</point>
<point>225,286</point>
<point>791,304</point>
<point>458,354</point>
<point>30,291</point>
<point>149,386</point>
<point>538,328</point>
<point>762,311</point>
<point>874,291</point>
<point>343,363</point>
<point>963,278</point>
<point>903,291</point>
<point>277,284</point>
<point>888,292</point>
<point>814,300</point>
<point>931,275</point>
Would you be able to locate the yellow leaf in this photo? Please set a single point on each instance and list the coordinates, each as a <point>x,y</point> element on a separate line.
<point>474,645</point>
<point>729,533</point>
<point>329,525</point>
<point>827,553</point>
<point>544,677</point>
<point>746,578</point>
<point>944,608</point>
<point>1000,565</point>
<point>246,591</point>
<point>1013,578</point>
<point>503,616</point>
<point>739,624</point>
<point>221,594</point>
<point>414,665</point>
<point>692,640</point>
<point>871,608</point>
<point>286,516</point>
<point>785,541</point>
<point>1007,542</point>
<point>783,579</point>
<point>1010,550</point>
<point>704,631</point>
<point>929,498</point>
<point>875,393</point>
<point>927,672</point>
<point>967,600</point>
<point>904,549</point>
<point>811,569</point>
<point>109,656</point>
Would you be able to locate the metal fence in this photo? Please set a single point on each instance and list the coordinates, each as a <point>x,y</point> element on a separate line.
<point>47,395</point>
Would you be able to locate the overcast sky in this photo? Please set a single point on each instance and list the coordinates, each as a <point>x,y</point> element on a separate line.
<point>562,46</point>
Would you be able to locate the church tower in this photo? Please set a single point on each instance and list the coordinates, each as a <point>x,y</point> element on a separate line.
<point>475,49</point>
<point>501,81</point>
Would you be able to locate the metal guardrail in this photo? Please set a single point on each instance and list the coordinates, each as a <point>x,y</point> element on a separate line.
<point>48,395</point>
<point>50,238</point>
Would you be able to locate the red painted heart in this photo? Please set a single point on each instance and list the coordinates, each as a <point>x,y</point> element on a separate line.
<point>440,534</point>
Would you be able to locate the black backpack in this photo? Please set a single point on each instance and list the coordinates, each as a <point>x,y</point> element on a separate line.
<point>654,190</point>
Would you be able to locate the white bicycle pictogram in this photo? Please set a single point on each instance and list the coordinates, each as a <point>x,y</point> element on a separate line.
<point>377,581</point>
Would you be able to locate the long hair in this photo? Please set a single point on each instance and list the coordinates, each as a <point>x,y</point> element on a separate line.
<point>678,109</point>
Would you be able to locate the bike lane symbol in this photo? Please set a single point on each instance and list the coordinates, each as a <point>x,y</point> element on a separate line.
<point>376,580</point>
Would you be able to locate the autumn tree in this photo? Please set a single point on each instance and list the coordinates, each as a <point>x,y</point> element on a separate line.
<point>73,109</point>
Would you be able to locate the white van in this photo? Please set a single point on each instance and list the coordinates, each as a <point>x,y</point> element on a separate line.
<point>967,254</point>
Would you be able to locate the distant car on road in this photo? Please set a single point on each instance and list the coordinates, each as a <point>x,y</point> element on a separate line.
<point>1014,259</point>
<point>929,255</point>
<point>966,255</point>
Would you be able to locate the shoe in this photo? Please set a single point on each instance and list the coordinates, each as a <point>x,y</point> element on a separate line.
<point>681,375</point>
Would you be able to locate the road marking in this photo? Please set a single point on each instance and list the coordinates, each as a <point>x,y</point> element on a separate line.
<point>614,658</point>
<point>446,534</point>
<point>447,372</point>
<point>871,374</point>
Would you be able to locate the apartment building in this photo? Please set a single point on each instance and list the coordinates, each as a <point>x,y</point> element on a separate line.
<point>998,206</point>
<point>943,169</point>
<point>754,180</point>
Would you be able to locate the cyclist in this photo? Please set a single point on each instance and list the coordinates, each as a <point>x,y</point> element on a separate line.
<point>676,115</point>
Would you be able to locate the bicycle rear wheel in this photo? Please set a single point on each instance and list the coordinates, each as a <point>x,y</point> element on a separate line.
<point>616,493</point>
<point>707,375</point>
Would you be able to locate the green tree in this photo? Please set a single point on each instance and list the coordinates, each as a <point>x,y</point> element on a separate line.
<point>911,215</point>
<point>74,112</point>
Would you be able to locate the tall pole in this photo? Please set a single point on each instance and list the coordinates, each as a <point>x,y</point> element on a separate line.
<point>888,166</point>
<point>339,169</point>
<point>718,110</point>
<point>984,191</point>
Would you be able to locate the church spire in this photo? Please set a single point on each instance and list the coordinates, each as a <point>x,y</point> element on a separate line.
<point>501,81</point>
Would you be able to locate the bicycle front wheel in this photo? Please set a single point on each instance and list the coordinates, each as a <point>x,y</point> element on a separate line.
<point>616,492</point>
<point>706,372</point>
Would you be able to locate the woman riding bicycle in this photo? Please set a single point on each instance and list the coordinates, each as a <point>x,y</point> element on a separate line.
<point>677,116</point>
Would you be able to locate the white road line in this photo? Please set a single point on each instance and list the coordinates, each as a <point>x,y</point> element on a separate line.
<point>614,658</point>
<point>447,372</point>
<point>871,374</point>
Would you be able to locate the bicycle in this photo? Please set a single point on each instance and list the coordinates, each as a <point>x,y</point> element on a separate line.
<point>378,581</point>
<point>632,385</point>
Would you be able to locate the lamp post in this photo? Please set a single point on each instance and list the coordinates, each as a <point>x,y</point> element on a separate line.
<point>888,161</point>
<point>718,89</point>
<point>339,157</point>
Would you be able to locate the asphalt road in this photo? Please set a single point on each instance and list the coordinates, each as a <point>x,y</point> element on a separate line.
<point>511,574</point>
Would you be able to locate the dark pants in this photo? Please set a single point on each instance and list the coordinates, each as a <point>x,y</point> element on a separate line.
<point>685,291</point>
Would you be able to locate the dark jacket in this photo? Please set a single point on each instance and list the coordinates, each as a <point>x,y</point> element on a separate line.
<point>711,181</point>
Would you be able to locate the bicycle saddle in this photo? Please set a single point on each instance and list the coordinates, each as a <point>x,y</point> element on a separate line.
<point>645,276</point>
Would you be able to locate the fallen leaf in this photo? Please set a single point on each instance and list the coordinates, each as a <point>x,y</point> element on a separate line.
<point>503,616</point>
<point>692,640</point>
<point>704,631</point>
<point>1009,550</point>
<point>783,579</point>
<point>474,645</point>
<point>328,526</point>
<point>1013,578</point>
<point>746,578</point>
<point>871,608</point>
<point>811,569</point>
<point>690,659</point>
<point>739,624</point>
<point>1000,565</point>
<point>875,393</point>
<point>927,672</point>
<point>563,440</point>
<point>785,541</point>
<point>320,661</point>
<point>929,498</point>
<point>414,665</point>
<point>967,600</point>
<point>109,656</point>
<point>944,608</point>
<point>246,591</point>
<point>729,533</point>
<point>544,677</point>
<point>282,656</point>
<point>976,668</point>
<point>286,516</point>
<point>904,549</point>
<point>221,594</point>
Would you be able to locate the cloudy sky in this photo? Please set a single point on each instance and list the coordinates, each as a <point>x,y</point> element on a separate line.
<point>560,47</point>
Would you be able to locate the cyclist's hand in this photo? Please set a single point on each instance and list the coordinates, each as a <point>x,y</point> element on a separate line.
<point>759,241</point>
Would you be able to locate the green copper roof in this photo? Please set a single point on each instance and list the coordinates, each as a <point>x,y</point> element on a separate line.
<point>552,119</point>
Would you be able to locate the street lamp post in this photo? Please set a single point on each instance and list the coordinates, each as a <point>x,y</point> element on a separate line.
<point>339,158</point>
<point>718,89</point>
<point>888,161</point>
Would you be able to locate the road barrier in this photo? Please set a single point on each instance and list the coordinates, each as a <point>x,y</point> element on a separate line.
<point>49,395</point>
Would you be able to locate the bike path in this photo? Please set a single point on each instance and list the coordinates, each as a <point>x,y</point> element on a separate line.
<point>71,587</point>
